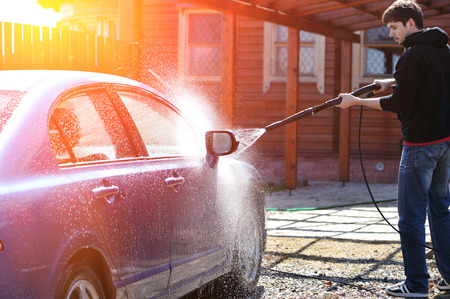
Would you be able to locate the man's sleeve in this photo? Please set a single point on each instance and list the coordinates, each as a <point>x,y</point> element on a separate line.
<point>408,75</point>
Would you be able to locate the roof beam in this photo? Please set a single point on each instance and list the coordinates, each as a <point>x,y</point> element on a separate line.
<point>440,6</point>
<point>366,25</point>
<point>260,2</point>
<point>338,5</point>
<point>285,5</point>
<point>273,16</point>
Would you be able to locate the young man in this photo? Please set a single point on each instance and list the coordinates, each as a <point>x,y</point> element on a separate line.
<point>421,98</point>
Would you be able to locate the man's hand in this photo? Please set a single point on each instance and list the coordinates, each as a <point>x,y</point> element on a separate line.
<point>347,100</point>
<point>384,83</point>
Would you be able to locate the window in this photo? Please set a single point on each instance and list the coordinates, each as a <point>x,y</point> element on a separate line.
<point>376,56</point>
<point>165,132</point>
<point>85,128</point>
<point>381,52</point>
<point>201,44</point>
<point>311,56</point>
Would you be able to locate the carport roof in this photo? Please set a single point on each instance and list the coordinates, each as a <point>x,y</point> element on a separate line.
<point>337,18</point>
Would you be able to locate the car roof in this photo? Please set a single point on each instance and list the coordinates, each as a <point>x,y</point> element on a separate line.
<point>25,80</point>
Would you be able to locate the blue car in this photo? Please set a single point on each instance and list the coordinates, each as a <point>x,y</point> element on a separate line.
<point>107,190</point>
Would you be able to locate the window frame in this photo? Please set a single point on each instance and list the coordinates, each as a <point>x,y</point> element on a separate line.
<point>89,90</point>
<point>270,56</point>
<point>184,46</point>
<point>359,57</point>
<point>125,114</point>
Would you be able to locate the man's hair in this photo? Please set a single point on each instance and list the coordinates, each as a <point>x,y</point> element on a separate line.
<point>402,11</point>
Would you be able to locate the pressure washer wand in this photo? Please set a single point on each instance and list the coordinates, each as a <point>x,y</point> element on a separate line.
<point>366,91</point>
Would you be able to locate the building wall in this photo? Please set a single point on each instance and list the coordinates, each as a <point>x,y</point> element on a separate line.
<point>159,35</point>
<point>318,138</point>
<point>318,135</point>
<point>160,47</point>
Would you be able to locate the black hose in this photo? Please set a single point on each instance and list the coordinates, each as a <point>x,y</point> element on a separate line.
<point>302,114</point>
<point>373,199</point>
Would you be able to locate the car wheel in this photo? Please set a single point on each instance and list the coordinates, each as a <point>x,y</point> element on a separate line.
<point>249,247</point>
<point>81,282</point>
<point>249,252</point>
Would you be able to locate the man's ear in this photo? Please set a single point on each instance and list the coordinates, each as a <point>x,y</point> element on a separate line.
<point>411,24</point>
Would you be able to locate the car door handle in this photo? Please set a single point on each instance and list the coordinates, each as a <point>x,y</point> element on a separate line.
<point>105,191</point>
<point>174,181</point>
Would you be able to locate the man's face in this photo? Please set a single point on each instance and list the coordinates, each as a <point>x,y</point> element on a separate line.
<point>398,31</point>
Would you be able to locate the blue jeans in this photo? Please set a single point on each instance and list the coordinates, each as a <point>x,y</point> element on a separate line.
<point>423,187</point>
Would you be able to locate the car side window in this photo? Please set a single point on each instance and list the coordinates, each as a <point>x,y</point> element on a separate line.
<point>164,132</point>
<point>85,127</point>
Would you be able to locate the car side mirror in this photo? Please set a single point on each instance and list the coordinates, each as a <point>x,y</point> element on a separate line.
<point>219,143</point>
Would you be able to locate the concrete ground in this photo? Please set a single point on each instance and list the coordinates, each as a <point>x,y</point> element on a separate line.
<point>334,210</point>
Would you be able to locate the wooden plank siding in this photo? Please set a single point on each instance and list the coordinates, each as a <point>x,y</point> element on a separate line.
<point>159,44</point>
<point>228,76</point>
<point>317,135</point>
<point>160,34</point>
<point>258,109</point>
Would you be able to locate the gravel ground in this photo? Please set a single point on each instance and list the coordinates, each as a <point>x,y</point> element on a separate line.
<point>328,267</point>
<point>295,266</point>
<point>369,267</point>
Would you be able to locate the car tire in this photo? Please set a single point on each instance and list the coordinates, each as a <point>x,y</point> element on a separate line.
<point>80,281</point>
<point>247,256</point>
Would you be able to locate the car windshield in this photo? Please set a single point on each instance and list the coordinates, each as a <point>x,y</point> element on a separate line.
<point>9,100</point>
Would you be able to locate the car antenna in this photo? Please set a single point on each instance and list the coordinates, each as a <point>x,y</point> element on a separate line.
<point>161,80</point>
<point>117,70</point>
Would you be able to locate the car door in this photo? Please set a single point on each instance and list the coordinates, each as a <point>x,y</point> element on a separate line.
<point>191,185</point>
<point>95,150</point>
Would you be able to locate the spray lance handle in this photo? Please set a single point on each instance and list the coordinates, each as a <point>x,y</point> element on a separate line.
<point>366,91</point>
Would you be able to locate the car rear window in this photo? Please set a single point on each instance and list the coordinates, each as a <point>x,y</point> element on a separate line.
<point>9,100</point>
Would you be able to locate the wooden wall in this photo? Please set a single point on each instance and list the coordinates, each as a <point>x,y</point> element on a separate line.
<point>159,36</point>
<point>318,135</point>
<point>159,32</point>
<point>255,109</point>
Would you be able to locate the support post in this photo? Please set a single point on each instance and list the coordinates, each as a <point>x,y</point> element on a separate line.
<point>344,116</point>
<point>228,86</point>
<point>291,108</point>
<point>336,90</point>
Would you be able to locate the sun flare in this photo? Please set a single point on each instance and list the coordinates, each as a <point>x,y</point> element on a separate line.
<point>27,12</point>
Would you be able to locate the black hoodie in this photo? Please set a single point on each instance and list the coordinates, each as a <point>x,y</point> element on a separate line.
<point>421,97</point>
